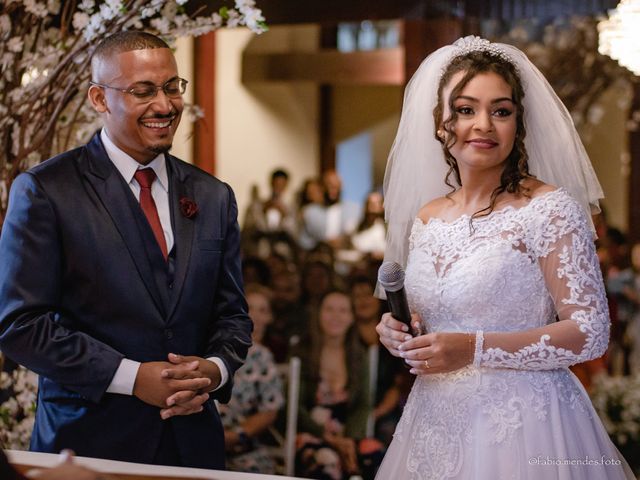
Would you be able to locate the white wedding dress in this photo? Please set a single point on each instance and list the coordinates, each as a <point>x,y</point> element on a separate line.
<point>522,414</point>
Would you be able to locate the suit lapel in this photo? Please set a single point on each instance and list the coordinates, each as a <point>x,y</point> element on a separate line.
<point>180,186</point>
<point>113,193</point>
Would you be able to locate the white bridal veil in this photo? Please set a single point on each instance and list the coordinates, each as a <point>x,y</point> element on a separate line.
<point>416,167</point>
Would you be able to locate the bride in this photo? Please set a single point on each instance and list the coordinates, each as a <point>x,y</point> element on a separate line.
<point>488,194</point>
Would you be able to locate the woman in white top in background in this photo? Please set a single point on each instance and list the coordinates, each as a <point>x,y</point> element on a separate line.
<point>488,194</point>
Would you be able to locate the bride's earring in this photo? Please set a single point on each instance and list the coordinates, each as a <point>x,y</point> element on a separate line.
<point>440,134</point>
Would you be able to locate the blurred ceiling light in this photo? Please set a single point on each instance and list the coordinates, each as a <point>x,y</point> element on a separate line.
<point>619,35</point>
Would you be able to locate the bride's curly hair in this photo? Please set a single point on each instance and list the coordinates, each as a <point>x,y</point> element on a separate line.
<point>517,166</point>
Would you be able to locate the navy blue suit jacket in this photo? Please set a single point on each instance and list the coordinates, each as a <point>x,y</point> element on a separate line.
<point>81,288</point>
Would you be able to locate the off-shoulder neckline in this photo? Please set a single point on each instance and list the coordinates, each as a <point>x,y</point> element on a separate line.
<point>502,211</point>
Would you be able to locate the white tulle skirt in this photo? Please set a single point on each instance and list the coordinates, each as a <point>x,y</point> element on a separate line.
<point>495,424</point>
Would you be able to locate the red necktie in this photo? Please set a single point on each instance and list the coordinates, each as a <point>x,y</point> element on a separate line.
<point>145,178</point>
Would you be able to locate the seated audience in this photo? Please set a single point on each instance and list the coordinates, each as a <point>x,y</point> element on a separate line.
<point>317,280</point>
<point>393,380</point>
<point>342,216</point>
<point>634,295</point>
<point>256,398</point>
<point>331,221</point>
<point>333,393</point>
<point>270,225</point>
<point>311,214</point>
<point>255,270</point>
<point>290,317</point>
<point>273,214</point>
<point>370,237</point>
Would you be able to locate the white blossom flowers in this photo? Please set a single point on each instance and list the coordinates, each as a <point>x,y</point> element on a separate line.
<point>617,401</point>
<point>44,66</point>
<point>17,411</point>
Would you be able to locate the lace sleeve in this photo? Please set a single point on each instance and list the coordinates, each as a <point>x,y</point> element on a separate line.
<point>564,246</point>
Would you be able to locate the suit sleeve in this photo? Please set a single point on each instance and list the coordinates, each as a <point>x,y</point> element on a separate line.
<point>34,330</point>
<point>230,336</point>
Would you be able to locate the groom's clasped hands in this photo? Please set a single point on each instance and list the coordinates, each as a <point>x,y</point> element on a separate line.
<point>179,386</point>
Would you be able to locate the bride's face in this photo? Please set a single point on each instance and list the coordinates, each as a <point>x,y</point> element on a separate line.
<point>486,126</point>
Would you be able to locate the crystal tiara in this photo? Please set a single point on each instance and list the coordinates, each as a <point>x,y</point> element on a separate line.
<point>473,43</point>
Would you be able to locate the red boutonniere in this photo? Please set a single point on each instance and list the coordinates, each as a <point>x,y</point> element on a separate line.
<point>188,207</point>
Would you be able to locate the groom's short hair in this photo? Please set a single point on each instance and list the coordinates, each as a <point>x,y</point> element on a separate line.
<point>125,41</point>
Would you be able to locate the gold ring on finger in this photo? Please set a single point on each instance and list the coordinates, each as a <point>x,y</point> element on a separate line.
<point>426,364</point>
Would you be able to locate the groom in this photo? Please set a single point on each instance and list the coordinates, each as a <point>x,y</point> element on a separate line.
<point>120,279</point>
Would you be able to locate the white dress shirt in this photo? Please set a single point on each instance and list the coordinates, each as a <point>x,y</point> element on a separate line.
<point>125,376</point>
<point>127,167</point>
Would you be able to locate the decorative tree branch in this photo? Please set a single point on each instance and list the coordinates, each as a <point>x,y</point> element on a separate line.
<point>45,51</point>
<point>567,54</point>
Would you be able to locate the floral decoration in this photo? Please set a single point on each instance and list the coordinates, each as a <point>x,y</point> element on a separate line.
<point>45,51</point>
<point>17,407</point>
<point>617,401</point>
<point>566,52</point>
<point>188,207</point>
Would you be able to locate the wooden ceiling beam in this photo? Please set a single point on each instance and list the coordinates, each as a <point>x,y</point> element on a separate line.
<point>334,11</point>
<point>327,67</point>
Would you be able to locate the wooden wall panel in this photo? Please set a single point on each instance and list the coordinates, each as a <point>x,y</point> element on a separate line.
<point>634,177</point>
<point>204,146</point>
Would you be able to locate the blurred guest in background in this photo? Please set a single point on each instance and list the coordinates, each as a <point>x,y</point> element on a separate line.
<point>342,216</point>
<point>312,214</point>
<point>618,277</point>
<point>370,238</point>
<point>331,222</point>
<point>393,380</point>
<point>333,392</point>
<point>255,270</point>
<point>633,294</point>
<point>273,214</point>
<point>317,280</point>
<point>290,317</point>
<point>269,224</point>
<point>257,395</point>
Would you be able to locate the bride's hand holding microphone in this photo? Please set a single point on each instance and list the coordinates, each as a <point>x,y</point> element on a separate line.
<point>437,352</point>
<point>393,332</point>
<point>393,328</point>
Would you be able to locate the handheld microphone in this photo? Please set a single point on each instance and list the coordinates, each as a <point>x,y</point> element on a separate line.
<point>391,278</point>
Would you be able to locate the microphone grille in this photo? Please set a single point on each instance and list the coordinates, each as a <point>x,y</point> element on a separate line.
<point>391,276</point>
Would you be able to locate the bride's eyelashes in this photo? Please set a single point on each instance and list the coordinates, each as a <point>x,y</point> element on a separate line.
<point>498,112</point>
<point>464,111</point>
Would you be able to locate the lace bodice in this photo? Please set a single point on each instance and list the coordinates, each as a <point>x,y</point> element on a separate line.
<point>528,277</point>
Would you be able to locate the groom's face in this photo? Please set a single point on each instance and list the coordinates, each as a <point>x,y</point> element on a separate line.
<point>143,128</point>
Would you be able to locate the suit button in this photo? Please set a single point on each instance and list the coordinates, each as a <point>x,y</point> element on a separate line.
<point>168,333</point>
<point>171,286</point>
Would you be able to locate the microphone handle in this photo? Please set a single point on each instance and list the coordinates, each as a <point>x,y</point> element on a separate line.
<point>399,307</point>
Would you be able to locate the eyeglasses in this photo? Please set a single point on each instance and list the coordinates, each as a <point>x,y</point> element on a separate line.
<point>145,92</point>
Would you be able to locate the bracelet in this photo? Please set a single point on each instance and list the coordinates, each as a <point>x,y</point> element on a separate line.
<point>477,356</point>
